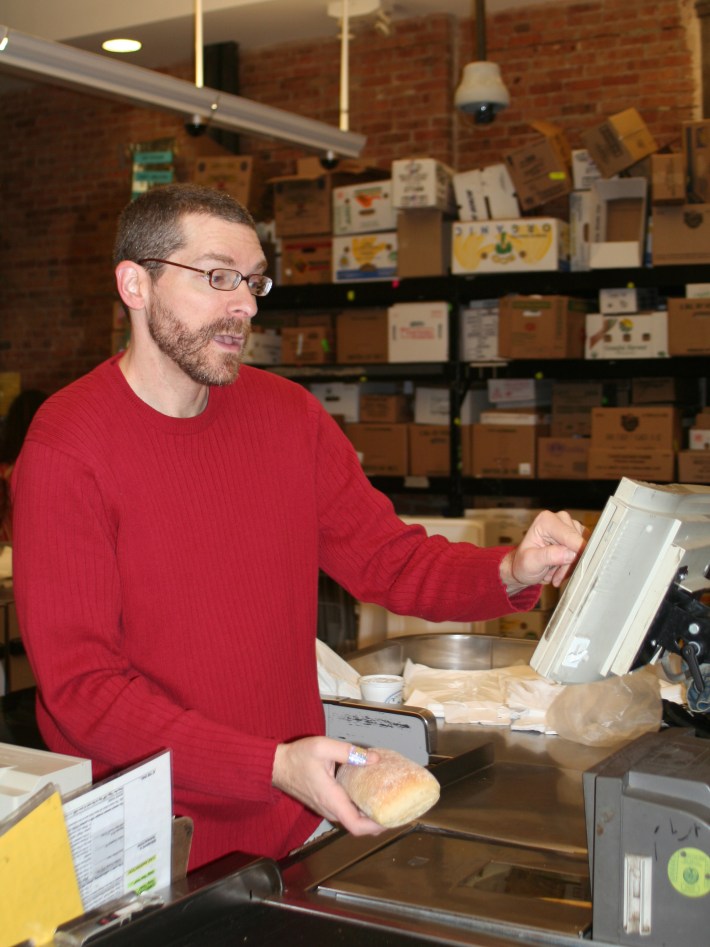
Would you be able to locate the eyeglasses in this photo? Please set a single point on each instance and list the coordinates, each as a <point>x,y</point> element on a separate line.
<point>223,279</point>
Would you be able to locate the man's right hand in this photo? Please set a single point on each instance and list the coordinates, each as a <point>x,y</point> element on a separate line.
<point>305,769</point>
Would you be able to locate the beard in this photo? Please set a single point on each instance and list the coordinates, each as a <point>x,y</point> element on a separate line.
<point>193,352</point>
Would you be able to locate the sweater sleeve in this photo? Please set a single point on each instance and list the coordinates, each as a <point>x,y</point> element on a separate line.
<point>377,558</point>
<point>69,605</point>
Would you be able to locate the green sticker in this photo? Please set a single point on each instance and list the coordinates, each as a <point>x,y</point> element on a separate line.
<point>689,872</point>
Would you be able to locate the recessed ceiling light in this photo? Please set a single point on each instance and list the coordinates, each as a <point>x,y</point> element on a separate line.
<point>121,45</point>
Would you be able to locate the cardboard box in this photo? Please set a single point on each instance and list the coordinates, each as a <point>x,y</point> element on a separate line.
<point>542,170</point>
<point>505,450</point>
<point>581,210</point>
<point>429,450</point>
<point>562,458</point>
<point>303,202</point>
<point>239,175</point>
<point>478,331</point>
<point>618,234</point>
<point>663,390</point>
<point>572,404</point>
<point>584,170</point>
<point>303,345</point>
<point>363,208</point>
<point>519,392</point>
<point>526,245</point>
<point>694,466</point>
<point>362,336</point>
<point>502,526</point>
<point>383,448</point>
<point>367,256</point>
<point>385,409</point>
<point>433,405</point>
<point>621,300</point>
<point>612,464</point>
<point>680,234</point>
<point>636,428</point>
<point>696,160</point>
<point>306,260</point>
<point>541,327</point>
<point>668,185</point>
<point>642,335</point>
<point>418,332</point>
<point>339,398</point>
<point>527,625</point>
<point>422,182</point>
<point>697,290</point>
<point>423,243</point>
<point>486,194</point>
<point>698,438</point>
<point>263,347</point>
<point>689,326</point>
<point>619,142</point>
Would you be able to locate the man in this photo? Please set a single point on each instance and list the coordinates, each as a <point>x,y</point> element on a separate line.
<point>172,512</point>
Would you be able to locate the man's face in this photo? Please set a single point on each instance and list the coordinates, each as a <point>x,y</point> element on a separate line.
<point>202,330</point>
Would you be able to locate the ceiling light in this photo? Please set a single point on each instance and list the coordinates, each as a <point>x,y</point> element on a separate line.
<point>100,75</point>
<point>482,92</point>
<point>121,45</point>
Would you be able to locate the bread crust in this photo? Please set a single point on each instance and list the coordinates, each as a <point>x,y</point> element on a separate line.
<point>393,791</point>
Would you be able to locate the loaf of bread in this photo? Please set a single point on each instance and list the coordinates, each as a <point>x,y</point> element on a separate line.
<point>393,791</point>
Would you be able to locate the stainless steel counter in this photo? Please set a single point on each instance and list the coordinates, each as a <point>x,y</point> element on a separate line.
<point>501,860</point>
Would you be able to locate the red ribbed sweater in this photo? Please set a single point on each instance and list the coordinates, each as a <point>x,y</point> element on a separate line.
<point>166,580</point>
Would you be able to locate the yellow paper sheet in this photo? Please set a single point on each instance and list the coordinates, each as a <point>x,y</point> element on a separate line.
<point>37,877</point>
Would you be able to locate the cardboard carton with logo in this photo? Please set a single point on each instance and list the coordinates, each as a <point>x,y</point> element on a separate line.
<point>422,182</point>
<point>655,427</point>
<point>680,234</point>
<point>363,208</point>
<point>541,327</point>
<point>418,332</point>
<point>526,245</point>
<point>366,256</point>
<point>429,450</point>
<point>306,260</point>
<point>486,194</point>
<point>635,335</point>
<point>619,142</point>
<point>339,398</point>
<point>542,170</point>
<point>303,202</point>
<point>478,338</point>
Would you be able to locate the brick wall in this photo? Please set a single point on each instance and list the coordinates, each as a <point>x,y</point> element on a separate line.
<point>65,170</point>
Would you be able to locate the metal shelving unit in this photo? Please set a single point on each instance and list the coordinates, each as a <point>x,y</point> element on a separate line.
<point>459,291</point>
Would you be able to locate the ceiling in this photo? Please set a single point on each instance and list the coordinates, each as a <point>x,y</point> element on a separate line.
<point>167,27</point>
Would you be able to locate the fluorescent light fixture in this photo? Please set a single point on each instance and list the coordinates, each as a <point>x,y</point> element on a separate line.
<point>99,75</point>
<point>121,45</point>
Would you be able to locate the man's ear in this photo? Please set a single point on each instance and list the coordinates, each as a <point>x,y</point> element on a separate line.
<point>133,284</point>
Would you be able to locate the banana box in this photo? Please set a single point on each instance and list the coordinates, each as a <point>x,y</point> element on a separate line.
<point>366,256</point>
<point>525,245</point>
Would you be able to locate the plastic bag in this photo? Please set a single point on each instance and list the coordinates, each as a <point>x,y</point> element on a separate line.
<point>610,711</point>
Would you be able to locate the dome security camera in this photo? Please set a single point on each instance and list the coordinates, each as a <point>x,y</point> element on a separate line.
<point>195,126</point>
<point>482,92</point>
<point>329,161</point>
